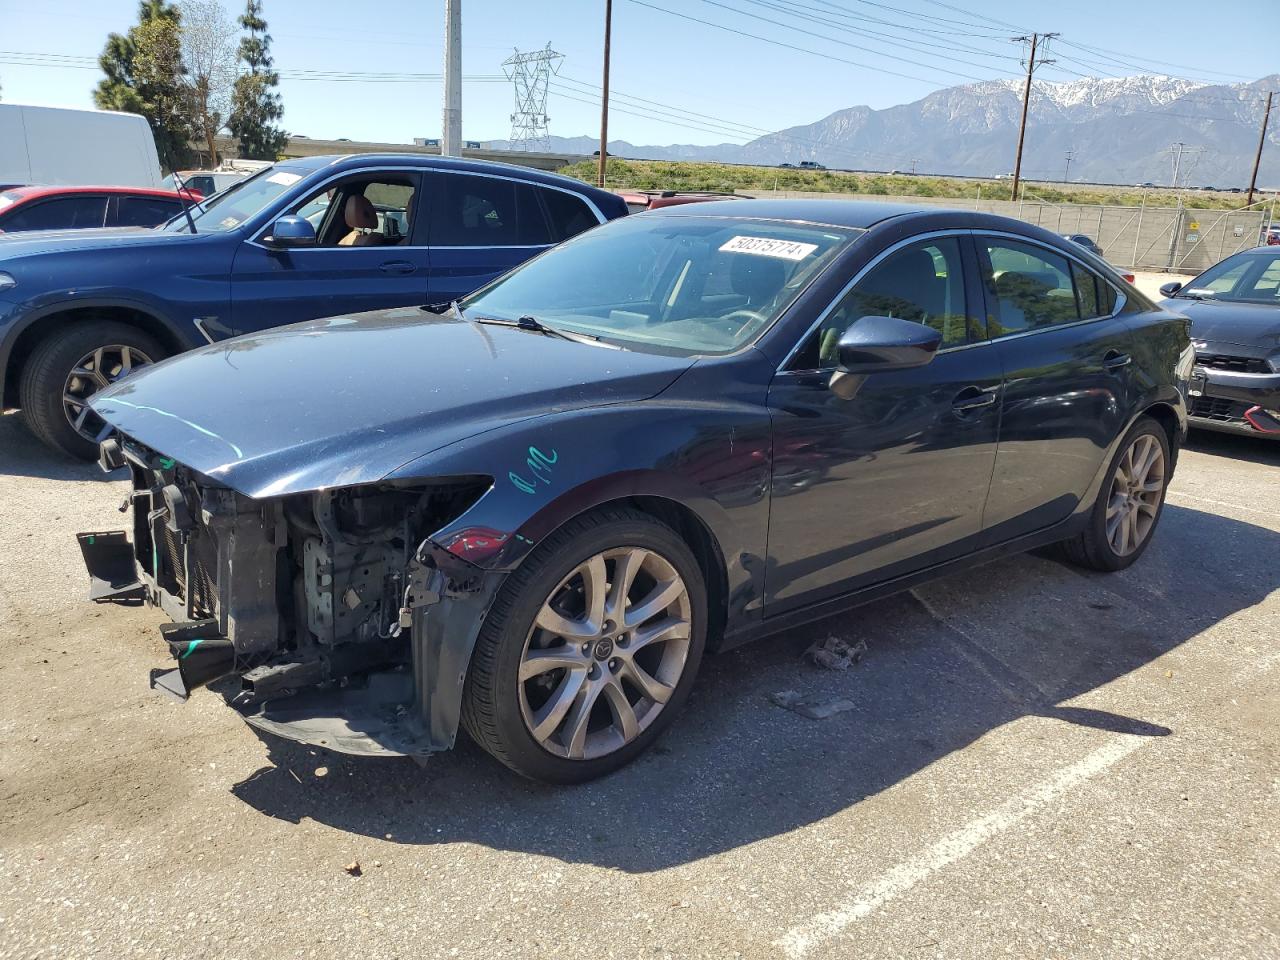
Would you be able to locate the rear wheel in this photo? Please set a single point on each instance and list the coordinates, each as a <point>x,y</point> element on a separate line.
<point>1129,505</point>
<point>67,369</point>
<point>589,650</point>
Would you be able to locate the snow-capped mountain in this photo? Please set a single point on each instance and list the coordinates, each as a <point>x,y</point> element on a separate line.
<point>1117,129</point>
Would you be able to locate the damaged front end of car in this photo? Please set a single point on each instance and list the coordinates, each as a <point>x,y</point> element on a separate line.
<point>346,625</point>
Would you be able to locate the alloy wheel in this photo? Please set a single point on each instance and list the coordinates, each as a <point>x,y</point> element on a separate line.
<point>1137,488</point>
<point>95,371</point>
<point>605,653</point>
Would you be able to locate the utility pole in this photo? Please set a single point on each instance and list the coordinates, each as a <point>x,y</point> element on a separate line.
<point>1257,160</point>
<point>1066,173</point>
<point>913,167</point>
<point>604,96</point>
<point>1177,161</point>
<point>451,135</point>
<point>1034,40</point>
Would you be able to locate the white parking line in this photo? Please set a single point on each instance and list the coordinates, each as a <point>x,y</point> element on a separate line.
<point>1179,495</point>
<point>800,940</point>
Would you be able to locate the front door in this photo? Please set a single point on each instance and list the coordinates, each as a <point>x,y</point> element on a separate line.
<point>895,477</point>
<point>1067,354</point>
<point>368,256</point>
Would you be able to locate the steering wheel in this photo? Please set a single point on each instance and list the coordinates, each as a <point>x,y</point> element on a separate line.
<point>747,316</point>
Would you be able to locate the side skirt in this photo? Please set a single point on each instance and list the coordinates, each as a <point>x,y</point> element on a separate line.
<point>800,616</point>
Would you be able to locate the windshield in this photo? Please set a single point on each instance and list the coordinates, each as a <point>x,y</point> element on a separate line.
<point>1244,278</point>
<point>690,285</point>
<point>227,210</point>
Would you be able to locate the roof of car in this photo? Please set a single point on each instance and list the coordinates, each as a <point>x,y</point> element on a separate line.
<point>34,192</point>
<point>429,161</point>
<point>838,213</point>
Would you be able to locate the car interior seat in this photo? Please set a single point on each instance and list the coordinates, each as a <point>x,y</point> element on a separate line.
<point>362,221</point>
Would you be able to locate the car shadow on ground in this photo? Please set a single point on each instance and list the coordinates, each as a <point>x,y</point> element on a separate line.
<point>22,455</point>
<point>735,768</point>
<point>1261,450</point>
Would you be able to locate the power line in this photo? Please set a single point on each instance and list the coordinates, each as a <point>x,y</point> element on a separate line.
<point>789,46</point>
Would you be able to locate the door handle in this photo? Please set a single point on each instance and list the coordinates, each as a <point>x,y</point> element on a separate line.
<point>397,266</point>
<point>1114,360</point>
<point>972,398</point>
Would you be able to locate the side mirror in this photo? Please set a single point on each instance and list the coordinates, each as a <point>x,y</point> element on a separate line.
<point>1169,289</point>
<point>291,231</point>
<point>880,344</point>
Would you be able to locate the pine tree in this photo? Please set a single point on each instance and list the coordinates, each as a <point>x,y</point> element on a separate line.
<point>255,104</point>
<point>144,75</point>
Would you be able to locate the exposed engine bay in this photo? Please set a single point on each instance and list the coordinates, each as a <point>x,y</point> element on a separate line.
<point>314,601</point>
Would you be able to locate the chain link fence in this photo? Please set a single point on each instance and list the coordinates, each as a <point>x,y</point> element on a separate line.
<point>1173,239</point>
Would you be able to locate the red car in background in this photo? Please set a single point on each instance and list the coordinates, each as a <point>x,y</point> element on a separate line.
<point>638,200</point>
<point>70,208</point>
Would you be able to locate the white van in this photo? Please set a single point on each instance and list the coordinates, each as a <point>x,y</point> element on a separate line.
<point>62,146</point>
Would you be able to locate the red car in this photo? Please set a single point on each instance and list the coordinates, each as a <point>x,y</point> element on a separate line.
<point>69,208</point>
<point>638,200</point>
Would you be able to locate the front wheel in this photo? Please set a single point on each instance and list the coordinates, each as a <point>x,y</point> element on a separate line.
<point>589,650</point>
<point>67,369</point>
<point>1129,504</point>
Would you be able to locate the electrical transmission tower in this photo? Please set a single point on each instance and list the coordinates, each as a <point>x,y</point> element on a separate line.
<point>531,74</point>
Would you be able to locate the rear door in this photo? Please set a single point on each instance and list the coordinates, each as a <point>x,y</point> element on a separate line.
<point>1067,352</point>
<point>388,267</point>
<point>483,225</point>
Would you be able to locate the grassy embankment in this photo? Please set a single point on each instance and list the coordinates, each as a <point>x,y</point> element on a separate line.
<point>727,178</point>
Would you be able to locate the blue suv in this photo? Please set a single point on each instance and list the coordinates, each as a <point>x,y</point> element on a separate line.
<point>302,239</point>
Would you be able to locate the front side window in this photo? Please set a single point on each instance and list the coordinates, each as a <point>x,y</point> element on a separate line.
<point>923,282</point>
<point>1030,288</point>
<point>369,211</point>
<point>473,211</point>
<point>683,285</point>
<point>145,211</point>
<point>67,213</point>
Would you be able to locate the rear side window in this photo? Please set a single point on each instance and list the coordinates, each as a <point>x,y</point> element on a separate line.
<point>66,213</point>
<point>569,214</point>
<point>469,211</point>
<point>1031,288</point>
<point>145,211</point>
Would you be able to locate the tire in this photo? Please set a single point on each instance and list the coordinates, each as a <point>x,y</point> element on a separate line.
<point>48,369</point>
<point>501,711</point>
<point>1095,547</point>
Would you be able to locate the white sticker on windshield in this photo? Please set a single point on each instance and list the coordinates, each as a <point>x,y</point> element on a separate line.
<point>284,178</point>
<point>768,247</point>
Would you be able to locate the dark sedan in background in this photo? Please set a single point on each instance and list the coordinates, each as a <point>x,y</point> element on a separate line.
<point>528,514</point>
<point>1234,308</point>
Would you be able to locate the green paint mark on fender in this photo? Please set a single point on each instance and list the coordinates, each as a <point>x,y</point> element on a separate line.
<point>191,647</point>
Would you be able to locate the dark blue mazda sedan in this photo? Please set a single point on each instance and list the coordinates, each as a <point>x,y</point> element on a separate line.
<point>81,309</point>
<point>527,515</point>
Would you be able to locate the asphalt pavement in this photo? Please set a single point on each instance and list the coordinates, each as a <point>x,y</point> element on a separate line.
<point>1038,762</point>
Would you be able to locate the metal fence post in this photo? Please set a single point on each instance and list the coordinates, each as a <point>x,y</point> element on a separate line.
<point>1137,236</point>
<point>1173,237</point>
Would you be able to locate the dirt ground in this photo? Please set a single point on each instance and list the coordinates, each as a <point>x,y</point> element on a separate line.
<point>1040,762</point>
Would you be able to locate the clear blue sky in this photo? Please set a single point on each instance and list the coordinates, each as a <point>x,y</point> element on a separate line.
<point>684,68</point>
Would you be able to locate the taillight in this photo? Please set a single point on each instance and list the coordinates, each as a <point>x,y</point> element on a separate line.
<point>1128,277</point>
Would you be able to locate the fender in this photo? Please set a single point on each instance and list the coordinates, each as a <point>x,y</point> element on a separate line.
<point>44,308</point>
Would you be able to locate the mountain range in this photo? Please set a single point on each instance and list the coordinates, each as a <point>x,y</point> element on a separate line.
<point>1118,130</point>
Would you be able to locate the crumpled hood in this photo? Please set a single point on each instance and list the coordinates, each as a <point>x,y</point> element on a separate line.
<point>1216,321</point>
<point>346,400</point>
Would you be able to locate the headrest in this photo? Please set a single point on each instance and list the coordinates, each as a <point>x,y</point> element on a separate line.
<point>359,213</point>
